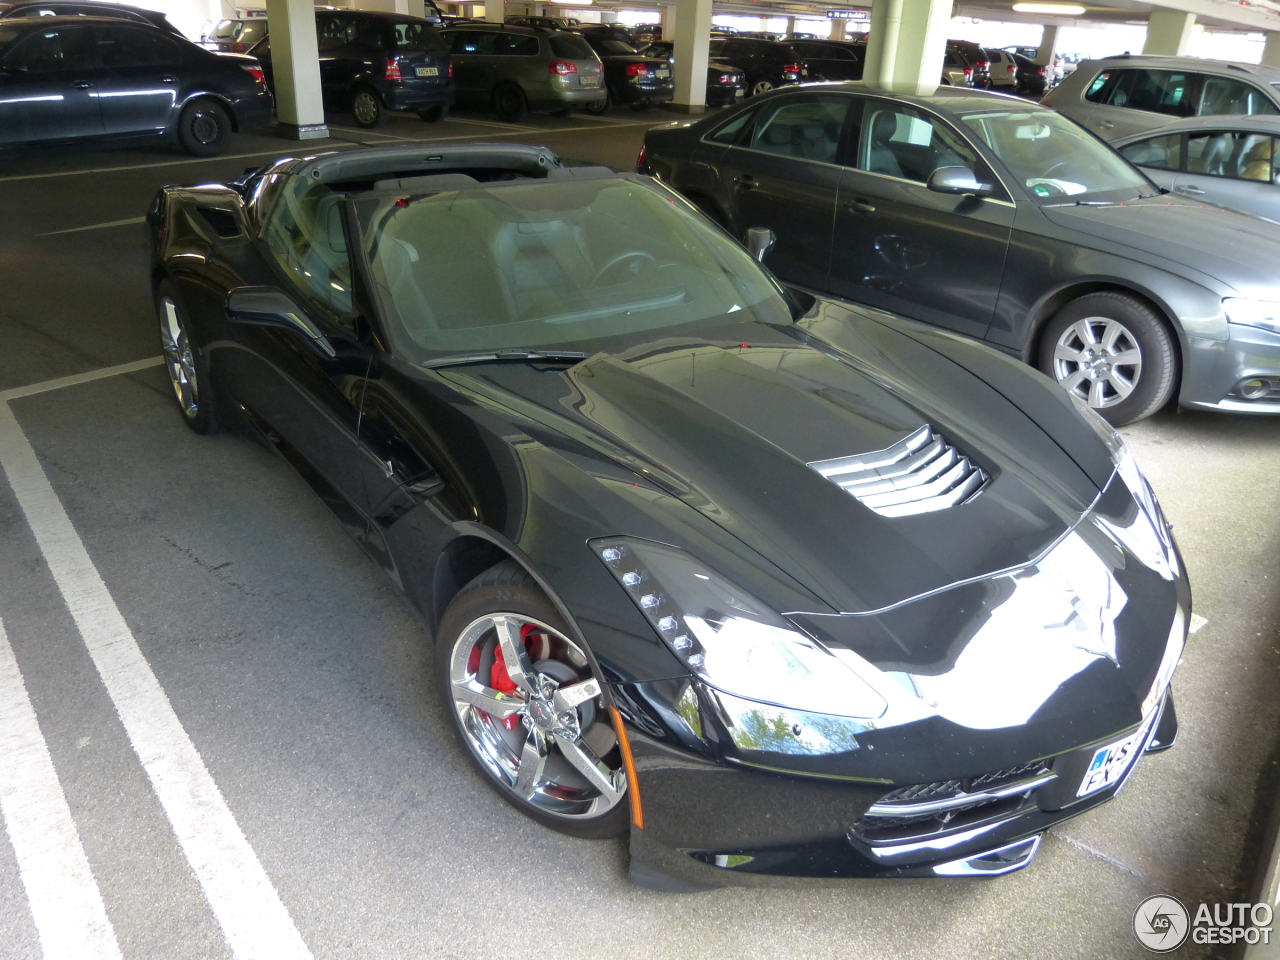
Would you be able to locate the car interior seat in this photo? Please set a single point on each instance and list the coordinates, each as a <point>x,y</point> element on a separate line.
<point>880,156</point>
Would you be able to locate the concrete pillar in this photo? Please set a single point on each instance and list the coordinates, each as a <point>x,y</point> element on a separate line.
<point>608,16</point>
<point>1048,46</point>
<point>669,21</point>
<point>791,25</point>
<point>495,11</point>
<point>907,43</point>
<point>692,40</point>
<point>295,62</point>
<point>837,30</point>
<point>1271,50</point>
<point>1168,32</point>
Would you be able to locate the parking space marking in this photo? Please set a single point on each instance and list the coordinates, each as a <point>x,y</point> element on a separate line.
<point>65,902</point>
<point>77,378</point>
<point>95,226</point>
<point>282,152</point>
<point>254,920</point>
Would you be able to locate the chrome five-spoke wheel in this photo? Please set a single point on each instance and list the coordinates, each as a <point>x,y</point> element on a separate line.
<point>1098,359</point>
<point>533,716</point>
<point>179,359</point>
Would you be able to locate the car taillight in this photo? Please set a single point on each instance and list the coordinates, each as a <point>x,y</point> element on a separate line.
<point>1011,68</point>
<point>792,68</point>
<point>641,158</point>
<point>1040,70</point>
<point>982,64</point>
<point>562,67</point>
<point>392,71</point>
<point>728,78</point>
<point>637,70</point>
<point>450,69</point>
<point>256,73</point>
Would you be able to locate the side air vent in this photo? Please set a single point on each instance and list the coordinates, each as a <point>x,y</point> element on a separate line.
<point>918,474</point>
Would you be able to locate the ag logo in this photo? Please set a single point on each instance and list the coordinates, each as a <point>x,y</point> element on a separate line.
<point>1161,923</point>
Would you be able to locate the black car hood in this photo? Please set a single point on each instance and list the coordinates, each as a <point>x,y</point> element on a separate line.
<point>731,428</point>
<point>1231,247</point>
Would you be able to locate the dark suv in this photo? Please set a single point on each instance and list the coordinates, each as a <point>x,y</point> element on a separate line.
<point>978,60</point>
<point>87,8</point>
<point>371,63</point>
<point>767,63</point>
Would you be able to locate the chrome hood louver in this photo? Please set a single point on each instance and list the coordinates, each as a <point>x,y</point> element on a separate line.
<point>918,474</point>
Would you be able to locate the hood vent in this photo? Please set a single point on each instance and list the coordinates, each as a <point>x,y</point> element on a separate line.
<point>918,474</point>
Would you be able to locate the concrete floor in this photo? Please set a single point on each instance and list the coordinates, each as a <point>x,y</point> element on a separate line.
<point>301,676</point>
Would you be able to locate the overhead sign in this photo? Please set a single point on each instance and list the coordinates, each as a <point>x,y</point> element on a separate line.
<point>849,14</point>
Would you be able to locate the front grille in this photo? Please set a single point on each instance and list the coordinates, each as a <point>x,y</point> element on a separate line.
<point>918,474</point>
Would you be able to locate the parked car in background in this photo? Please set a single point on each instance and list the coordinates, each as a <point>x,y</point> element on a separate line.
<point>87,8</point>
<point>1004,71</point>
<point>630,78</point>
<point>1031,76</point>
<point>374,63</point>
<point>1029,52</point>
<point>514,69</point>
<point>831,59</point>
<point>608,31</point>
<point>83,78</point>
<point>957,71</point>
<point>725,84</point>
<point>996,218</point>
<point>1124,95</point>
<point>235,36</point>
<point>1230,161</point>
<point>766,63</point>
<point>977,58</point>
<point>635,489</point>
<point>544,23</point>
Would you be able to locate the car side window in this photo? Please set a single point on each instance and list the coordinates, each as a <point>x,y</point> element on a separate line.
<point>807,128</point>
<point>901,142</point>
<point>1159,91</point>
<point>1223,95</point>
<point>1162,153</point>
<point>127,47</point>
<point>54,50</point>
<point>475,42</point>
<point>1237,155</point>
<point>304,233</point>
<point>333,33</point>
<point>732,131</point>
<point>518,45</point>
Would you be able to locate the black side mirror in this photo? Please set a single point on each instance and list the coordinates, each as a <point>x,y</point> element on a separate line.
<point>958,180</point>
<point>760,241</point>
<point>272,307</point>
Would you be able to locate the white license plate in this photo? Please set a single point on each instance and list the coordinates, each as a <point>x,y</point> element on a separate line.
<point>663,74</point>
<point>739,93</point>
<point>428,71</point>
<point>588,81</point>
<point>1110,763</point>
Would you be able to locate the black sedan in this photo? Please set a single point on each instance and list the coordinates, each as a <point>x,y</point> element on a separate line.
<point>79,78</point>
<point>776,585</point>
<point>630,77</point>
<point>1003,220</point>
<point>725,84</point>
<point>832,59</point>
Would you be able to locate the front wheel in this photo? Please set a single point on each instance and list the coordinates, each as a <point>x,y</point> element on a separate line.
<point>187,368</point>
<point>204,128</point>
<point>367,108</point>
<point>1113,352</point>
<point>761,86</point>
<point>523,699</point>
<point>510,104</point>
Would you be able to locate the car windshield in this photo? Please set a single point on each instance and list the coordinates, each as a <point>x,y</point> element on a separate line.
<point>571,47</point>
<point>569,264</point>
<point>1055,159</point>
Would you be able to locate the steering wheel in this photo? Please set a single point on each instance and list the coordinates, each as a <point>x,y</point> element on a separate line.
<point>638,259</point>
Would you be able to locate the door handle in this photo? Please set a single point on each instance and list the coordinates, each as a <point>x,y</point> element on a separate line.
<point>1106,124</point>
<point>81,84</point>
<point>860,206</point>
<point>168,79</point>
<point>745,183</point>
<point>1187,188</point>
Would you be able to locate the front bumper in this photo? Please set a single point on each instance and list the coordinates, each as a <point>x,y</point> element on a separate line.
<point>711,825</point>
<point>1214,368</point>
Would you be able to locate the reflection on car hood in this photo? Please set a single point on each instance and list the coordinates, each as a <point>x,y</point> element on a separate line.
<point>731,430</point>
<point>1232,247</point>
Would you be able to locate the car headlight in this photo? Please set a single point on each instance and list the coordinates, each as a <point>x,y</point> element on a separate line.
<point>1253,313</point>
<point>730,640</point>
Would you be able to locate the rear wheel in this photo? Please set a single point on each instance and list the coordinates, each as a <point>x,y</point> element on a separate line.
<point>640,106</point>
<point>599,107</point>
<point>434,114</point>
<point>761,86</point>
<point>509,103</point>
<point>187,368</point>
<point>1113,352</point>
<point>204,128</point>
<point>523,699</point>
<point>367,108</point>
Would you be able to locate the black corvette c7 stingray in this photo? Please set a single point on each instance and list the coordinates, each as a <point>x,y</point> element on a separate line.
<point>782,586</point>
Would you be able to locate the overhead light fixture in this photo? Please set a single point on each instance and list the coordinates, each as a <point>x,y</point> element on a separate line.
<point>570,3</point>
<point>1060,9</point>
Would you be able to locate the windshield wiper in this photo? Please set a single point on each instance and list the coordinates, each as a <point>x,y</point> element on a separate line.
<point>561,356</point>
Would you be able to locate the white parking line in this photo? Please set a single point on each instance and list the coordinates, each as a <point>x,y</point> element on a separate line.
<point>253,919</point>
<point>95,226</point>
<point>78,378</point>
<point>284,151</point>
<point>66,904</point>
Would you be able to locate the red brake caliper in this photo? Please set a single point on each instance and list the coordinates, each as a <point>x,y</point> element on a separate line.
<point>501,680</point>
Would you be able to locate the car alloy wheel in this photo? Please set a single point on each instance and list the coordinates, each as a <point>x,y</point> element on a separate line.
<point>527,706</point>
<point>1098,360</point>
<point>366,108</point>
<point>179,359</point>
<point>761,86</point>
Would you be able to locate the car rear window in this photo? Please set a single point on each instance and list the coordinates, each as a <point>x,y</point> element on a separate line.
<point>408,35</point>
<point>571,47</point>
<point>615,46</point>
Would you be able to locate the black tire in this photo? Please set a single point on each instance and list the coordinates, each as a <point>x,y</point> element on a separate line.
<point>366,108</point>
<point>508,589</point>
<point>434,114</point>
<point>188,370</point>
<point>599,108</point>
<point>204,128</point>
<point>510,105</point>
<point>1100,344</point>
<point>640,106</point>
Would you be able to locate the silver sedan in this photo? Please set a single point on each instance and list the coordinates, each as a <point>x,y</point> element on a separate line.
<point>1230,161</point>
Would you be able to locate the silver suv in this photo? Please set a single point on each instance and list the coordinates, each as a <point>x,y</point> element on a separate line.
<point>514,69</point>
<point>1124,95</point>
